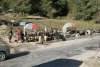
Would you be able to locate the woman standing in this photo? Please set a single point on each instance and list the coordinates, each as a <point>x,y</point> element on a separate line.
<point>19,35</point>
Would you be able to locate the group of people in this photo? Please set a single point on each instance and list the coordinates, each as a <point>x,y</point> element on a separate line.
<point>51,34</point>
<point>20,35</point>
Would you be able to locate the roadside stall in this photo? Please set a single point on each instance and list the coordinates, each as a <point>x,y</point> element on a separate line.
<point>67,25</point>
<point>30,26</point>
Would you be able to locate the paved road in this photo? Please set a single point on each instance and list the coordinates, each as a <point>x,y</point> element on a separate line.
<point>52,57</point>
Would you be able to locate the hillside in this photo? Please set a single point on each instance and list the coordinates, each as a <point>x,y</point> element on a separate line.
<point>78,9</point>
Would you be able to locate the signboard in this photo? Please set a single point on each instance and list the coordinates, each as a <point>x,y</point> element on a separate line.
<point>22,23</point>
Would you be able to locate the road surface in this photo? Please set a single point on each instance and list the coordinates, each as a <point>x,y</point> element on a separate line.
<point>53,56</point>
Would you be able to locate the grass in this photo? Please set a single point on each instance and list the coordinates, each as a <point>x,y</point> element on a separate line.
<point>57,23</point>
<point>54,23</point>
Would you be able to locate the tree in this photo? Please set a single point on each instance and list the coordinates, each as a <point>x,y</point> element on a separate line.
<point>36,7</point>
<point>86,9</point>
<point>0,6</point>
<point>46,6</point>
<point>22,6</point>
<point>5,5</point>
<point>61,7</point>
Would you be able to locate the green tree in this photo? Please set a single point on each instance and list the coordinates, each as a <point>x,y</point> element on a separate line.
<point>21,6</point>
<point>46,6</point>
<point>61,7</point>
<point>87,9</point>
<point>0,6</point>
<point>36,7</point>
<point>5,5</point>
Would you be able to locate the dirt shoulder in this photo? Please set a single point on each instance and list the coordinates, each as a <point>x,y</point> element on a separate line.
<point>26,46</point>
<point>14,47</point>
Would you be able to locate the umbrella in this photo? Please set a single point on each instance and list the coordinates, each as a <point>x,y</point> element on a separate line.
<point>31,26</point>
<point>45,29</point>
<point>69,25</point>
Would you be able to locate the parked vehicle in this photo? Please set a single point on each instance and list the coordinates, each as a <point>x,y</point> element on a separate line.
<point>4,52</point>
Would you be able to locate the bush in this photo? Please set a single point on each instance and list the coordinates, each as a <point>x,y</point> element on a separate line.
<point>78,17</point>
<point>5,22</point>
<point>0,10</point>
<point>97,21</point>
<point>16,23</point>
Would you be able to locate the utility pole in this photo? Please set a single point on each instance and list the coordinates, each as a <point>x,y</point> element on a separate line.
<point>12,23</point>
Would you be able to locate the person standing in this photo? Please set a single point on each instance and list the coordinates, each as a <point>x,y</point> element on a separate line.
<point>10,34</point>
<point>19,35</point>
<point>57,35</point>
<point>22,35</point>
<point>51,34</point>
<point>91,32</point>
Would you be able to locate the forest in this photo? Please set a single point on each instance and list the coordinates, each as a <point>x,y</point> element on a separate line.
<point>79,9</point>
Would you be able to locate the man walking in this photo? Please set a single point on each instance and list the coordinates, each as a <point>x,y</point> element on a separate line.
<point>10,34</point>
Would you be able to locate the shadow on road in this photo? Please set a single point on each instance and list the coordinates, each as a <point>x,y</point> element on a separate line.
<point>16,55</point>
<point>91,48</point>
<point>61,63</point>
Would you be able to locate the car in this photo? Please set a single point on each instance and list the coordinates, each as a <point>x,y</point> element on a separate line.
<point>4,52</point>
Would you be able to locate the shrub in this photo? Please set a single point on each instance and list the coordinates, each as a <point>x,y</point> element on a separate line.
<point>97,21</point>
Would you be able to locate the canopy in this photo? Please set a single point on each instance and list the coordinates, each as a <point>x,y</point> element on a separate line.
<point>68,25</point>
<point>31,26</point>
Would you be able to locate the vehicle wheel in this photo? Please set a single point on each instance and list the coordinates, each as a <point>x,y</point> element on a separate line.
<point>2,56</point>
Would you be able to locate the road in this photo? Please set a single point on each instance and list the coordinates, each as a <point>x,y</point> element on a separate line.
<point>52,57</point>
